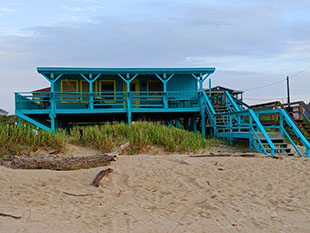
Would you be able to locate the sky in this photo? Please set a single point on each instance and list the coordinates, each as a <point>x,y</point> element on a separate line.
<point>251,43</point>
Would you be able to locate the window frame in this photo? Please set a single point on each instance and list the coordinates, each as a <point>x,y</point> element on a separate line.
<point>76,89</point>
<point>148,89</point>
<point>100,91</point>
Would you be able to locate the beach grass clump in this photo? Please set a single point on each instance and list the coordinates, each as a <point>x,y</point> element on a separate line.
<point>141,136</point>
<point>24,140</point>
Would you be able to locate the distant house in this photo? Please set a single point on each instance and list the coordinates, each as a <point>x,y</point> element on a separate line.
<point>219,89</point>
<point>3,113</point>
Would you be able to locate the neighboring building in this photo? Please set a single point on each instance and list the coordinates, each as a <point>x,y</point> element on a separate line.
<point>219,89</point>
<point>114,94</point>
<point>3,113</point>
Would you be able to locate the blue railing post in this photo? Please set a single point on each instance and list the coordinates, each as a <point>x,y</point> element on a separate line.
<point>91,96</point>
<point>281,125</point>
<point>202,114</point>
<point>251,133</point>
<point>165,90</point>
<point>230,131</point>
<point>128,99</point>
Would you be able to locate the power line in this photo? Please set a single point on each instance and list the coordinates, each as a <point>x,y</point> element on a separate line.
<point>268,85</point>
<point>299,72</point>
<point>282,80</point>
<point>280,98</point>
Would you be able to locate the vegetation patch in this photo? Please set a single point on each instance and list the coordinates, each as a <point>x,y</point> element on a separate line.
<point>15,140</point>
<point>142,136</point>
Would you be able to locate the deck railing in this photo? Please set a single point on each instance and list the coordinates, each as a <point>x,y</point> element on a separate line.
<point>96,100</point>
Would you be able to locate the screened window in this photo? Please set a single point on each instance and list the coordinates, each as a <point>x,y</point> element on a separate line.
<point>155,87</point>
<point>69,86</point>
<point>107,89</point>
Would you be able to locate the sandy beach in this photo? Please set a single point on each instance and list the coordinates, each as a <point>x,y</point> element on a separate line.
<point>162,193</point>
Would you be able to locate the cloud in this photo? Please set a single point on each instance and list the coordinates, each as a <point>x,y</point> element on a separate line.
<point>7,10</point>
<point>250,45</point>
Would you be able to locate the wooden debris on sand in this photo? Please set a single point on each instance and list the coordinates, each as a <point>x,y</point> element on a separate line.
<point>9,215</point>
<point>63,163</point>
<point>228,155</point>
<point>59,163</point>
<point>100,175</point>
<point>78,195</point>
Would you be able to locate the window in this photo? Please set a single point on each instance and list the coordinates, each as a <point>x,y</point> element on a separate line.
<point>107,89</point>
<point>84,87</point>
<point>69,86</point>
<point>155,86</point>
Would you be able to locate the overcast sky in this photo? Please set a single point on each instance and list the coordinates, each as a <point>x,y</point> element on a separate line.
<point>251,43</point>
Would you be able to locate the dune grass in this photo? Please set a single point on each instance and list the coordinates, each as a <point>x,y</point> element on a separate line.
<point>23,140</point>
<point>142,136</point>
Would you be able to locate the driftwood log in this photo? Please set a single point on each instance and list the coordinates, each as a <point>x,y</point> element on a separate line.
<point>100,175</point>
<point>9,215</point>
<point>59,163</point>
<point>62,163</point>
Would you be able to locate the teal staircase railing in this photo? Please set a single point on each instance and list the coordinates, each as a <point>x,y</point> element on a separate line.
<point>241,122</point>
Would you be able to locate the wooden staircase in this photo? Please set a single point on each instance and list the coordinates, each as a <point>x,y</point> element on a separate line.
<point>282,147</point>
<point>278,141</point>
<point>263,128</point>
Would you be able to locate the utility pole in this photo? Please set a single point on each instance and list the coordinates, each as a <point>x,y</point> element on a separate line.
<point>288,91</point>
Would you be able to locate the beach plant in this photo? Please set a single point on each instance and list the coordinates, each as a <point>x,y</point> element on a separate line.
<point>142,136</point>
<point>24,139</point>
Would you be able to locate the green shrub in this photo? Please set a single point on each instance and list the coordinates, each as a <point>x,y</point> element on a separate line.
<point>141,136</point>
<point>15,140</point>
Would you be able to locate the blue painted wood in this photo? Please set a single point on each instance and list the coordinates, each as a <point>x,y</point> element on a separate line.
<point>46,70</point>
<point>32,121</point>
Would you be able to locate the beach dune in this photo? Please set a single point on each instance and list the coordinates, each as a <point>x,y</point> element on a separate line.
<point>162,193</point>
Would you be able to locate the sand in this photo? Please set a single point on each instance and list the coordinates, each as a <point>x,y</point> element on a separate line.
<point>162,193</point>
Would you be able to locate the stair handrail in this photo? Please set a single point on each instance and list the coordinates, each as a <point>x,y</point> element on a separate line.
<point>209,108</point>
<point>209,103</point>
<point>240,102</point>
<point>258,125</point>
<point>236,107</point>
<point>297,132</point>
<point>259,141</point>
<point>263,131</point>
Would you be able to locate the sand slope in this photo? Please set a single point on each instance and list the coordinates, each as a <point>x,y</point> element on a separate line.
<point>169,193</point>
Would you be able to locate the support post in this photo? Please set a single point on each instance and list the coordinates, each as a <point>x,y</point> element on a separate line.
<point>230,131</point>
<point>52,113</point>
<point>19,121</point>
<point>281,125</point>
<point>251,134</point>
<point>128,99</point>
<point>288,91</point>
<point>53,124</point>
<point>170,124</point>
<point>203,123</point>
<point>91,95</point>
<point>165,90</point>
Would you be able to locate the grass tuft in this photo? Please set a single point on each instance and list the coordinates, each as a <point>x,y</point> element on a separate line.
<point>142,136</point>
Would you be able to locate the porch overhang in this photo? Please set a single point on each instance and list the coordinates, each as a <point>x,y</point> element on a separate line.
<point>46,71</point>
